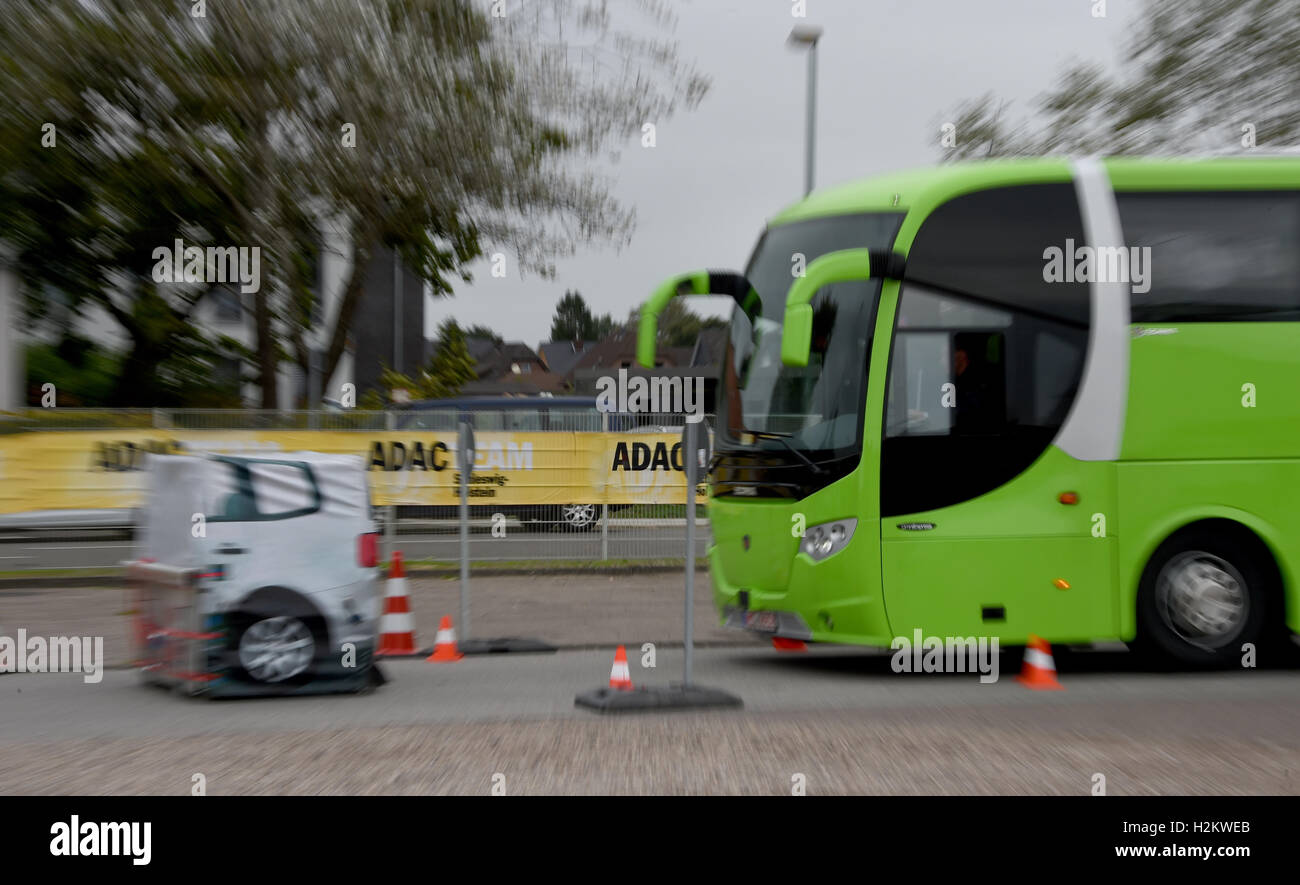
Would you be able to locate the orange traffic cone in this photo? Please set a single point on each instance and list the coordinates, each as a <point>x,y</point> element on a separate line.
<point>444,645</point>
<point>1039,669</point>
<point>780,643</point>
<point>619,675</point>
<point>396,625</point>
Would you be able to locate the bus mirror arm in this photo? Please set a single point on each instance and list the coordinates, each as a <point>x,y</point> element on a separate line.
<point>701,282</point>
<point>835,267</point>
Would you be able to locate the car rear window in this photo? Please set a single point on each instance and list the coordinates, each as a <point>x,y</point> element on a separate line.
<point>281,489</point>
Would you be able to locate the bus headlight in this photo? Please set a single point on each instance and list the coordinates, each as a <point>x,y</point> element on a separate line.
<point>828,538</point>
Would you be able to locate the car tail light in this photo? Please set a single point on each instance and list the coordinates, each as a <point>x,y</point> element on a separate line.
<point>368,549</point>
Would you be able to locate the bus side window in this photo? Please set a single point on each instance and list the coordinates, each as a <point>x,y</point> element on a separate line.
<point>1214,256</point>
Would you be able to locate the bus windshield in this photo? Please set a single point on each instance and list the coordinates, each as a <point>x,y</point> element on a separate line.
<point>816,410</point>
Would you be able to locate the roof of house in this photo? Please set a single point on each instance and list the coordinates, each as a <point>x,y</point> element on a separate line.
<point>619,349</point>
<point>561,356</point>
<point>492,360</point>
<point>710,348</point>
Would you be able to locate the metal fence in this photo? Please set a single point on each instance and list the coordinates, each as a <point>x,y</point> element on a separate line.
<point>577,532</point>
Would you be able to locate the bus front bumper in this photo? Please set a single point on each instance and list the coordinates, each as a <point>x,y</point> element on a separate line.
<point>821,602</point>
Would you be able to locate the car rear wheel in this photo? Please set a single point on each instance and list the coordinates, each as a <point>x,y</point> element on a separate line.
<point>275,649</point>
<point>578,517</point>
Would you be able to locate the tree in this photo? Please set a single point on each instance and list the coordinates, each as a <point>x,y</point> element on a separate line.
<point>452,366</point>
<point>479,331</point>
<point>449,370</point>
<point>421,125</point>
<point>574,321</point>
<point>679,326</point>
<point>1196,76</point>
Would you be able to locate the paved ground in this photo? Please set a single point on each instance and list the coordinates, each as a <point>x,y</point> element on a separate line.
<point>843,720</point>
<point>565,610</point>
<point>98,548</point>
<point>839,717</point>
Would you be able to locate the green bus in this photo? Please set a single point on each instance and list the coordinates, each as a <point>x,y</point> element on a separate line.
<point>1032,396</point>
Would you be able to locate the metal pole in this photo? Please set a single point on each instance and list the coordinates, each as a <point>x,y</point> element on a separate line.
<point>810,135</point>
<point>314,386</point>
<point>390,526</point>
<point>463,457</point>
<point>692,457</point>
<point>604,507</point>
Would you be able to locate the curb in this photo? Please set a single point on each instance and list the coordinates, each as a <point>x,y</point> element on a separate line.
<point>577,646</point>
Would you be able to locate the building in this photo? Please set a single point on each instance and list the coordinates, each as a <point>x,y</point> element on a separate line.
<point>387,327</point>
<point>510,368</point>
<point>618,351</point>
<point>560,356</point>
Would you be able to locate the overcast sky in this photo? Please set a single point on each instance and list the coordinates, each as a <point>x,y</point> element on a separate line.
<point>887,71</point>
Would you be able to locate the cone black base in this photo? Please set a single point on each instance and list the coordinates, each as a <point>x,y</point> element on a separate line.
<point>503,646</point>
<point>645,700</point>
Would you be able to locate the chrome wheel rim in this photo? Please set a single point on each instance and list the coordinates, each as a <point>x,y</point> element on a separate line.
<point>579,515</point>
<point>276,649</point>
<point>1202,599</point>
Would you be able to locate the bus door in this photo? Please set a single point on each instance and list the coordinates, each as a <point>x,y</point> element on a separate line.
<point>987,527</point>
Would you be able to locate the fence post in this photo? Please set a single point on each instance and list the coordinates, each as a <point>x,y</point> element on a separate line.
<point>604,507</point>
<point>390,528</point>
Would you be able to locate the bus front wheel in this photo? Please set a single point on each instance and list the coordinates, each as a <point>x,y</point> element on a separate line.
<point>1205,594</point>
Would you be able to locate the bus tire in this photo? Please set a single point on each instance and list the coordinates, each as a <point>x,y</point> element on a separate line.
<point>1206,592</point>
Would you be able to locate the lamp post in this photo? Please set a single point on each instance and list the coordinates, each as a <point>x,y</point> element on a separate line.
<point>807,36</point>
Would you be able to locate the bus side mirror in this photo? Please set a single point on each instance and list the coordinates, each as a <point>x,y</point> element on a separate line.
<point>796,335</point>
<point>648,323</point>
<point>700,282</point>
<point>833,267</point>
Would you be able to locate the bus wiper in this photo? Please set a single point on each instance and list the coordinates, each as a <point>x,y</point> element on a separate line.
<point>784,439</point>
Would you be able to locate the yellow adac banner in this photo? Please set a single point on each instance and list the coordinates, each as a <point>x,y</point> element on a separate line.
<point>76,470</point>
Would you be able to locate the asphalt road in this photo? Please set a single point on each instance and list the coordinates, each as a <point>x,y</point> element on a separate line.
<point>97,548</point>
<point>841,718</point>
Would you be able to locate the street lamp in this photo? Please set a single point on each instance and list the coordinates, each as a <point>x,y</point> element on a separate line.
<point>801,36</point>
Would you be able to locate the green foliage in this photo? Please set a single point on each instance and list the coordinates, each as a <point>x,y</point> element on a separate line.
<point>484,332</point>
<point>452,366</point>
<point>574,321</point>
<point>679,326</point>
<point>421,125</point>
<point>82,374</point>
<point>449,370</point>
<point>1196,76</point>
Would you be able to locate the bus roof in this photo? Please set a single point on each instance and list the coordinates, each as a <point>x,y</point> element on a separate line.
<point>926,187</point>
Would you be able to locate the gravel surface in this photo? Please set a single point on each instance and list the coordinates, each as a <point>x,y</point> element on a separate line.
<point>988,751</point>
